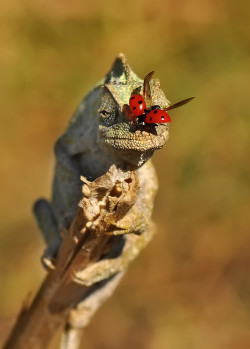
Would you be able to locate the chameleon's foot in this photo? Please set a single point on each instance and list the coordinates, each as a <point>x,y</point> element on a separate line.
<point>98,271</point>
<point>109,265</point>
<point>47,260</point>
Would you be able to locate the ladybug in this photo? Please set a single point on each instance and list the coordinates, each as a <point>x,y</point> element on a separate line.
<point>153,114</point>
<point>137,105</point>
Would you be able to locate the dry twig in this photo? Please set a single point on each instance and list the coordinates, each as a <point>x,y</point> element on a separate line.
<point>90,237</point>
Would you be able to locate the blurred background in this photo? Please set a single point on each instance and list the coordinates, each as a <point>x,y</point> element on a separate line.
<point>191,287</point>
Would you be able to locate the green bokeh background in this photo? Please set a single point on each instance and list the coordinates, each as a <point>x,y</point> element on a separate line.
<point>191,287</point>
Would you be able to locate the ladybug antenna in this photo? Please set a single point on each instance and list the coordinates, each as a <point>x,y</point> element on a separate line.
<point>146,87</point>
<point>179,104</point>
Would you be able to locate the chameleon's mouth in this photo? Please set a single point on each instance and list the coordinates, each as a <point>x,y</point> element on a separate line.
<point>133,137</point>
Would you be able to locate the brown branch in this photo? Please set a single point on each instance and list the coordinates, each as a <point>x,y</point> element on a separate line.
<point>105,202</point>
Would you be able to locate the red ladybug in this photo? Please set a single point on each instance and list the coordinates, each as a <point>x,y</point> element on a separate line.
<point>153,114</point>
<point>137,105</point>
<point>157,116</point>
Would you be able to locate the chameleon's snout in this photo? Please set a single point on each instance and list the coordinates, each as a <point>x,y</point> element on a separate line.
<point>133,143</point>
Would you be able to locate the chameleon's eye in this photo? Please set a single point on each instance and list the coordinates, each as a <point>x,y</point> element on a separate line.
<point>108,117</point>
<point>108,109</point>
<point>104,112</point>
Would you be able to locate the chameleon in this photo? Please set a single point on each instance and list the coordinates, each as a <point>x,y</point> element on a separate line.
<point>101,135</point>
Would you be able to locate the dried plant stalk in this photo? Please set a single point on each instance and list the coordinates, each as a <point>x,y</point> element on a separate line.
<point>105,202</point>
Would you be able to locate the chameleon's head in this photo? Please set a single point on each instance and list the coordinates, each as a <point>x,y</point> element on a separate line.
<point>128,142</point>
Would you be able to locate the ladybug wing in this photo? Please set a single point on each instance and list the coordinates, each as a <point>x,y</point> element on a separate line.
<point>179,104</point>
<point>146,88</point>
<point>157,116</point>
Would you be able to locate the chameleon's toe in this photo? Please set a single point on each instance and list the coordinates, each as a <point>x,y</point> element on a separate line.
<point>48,261</point>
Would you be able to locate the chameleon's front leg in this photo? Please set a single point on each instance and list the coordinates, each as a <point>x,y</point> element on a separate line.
<point>53,217</point>
<point>111,264</point>
<point>48,226</point>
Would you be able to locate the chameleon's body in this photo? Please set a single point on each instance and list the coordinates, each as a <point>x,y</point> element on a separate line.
<point>99,135</point>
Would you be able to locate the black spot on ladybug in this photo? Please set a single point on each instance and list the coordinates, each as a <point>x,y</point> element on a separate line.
<point>132,97</point>
<point>156,111</point>
<point>162,118</point>
<point>134,108</point>
<point>151,118</point>
<point>140,102</point>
